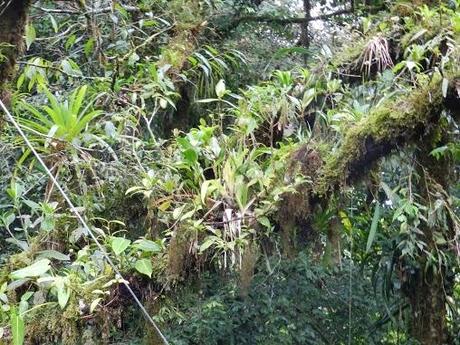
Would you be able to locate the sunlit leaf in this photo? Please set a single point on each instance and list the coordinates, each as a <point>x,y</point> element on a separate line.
<point>144,266</point>
<point>119,244</point>
<point>94,304</point>
<point>35,270</point>
<point>147,246</point>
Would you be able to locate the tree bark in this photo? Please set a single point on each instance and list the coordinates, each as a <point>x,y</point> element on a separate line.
<point>332,254</point>
<point>428,304</point>
<point>304,36</point>
<point>13,18</point>
<point>411,118</point>
<point>427,288</point>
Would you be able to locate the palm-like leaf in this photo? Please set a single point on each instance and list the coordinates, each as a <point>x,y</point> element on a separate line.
<point>60,120</point>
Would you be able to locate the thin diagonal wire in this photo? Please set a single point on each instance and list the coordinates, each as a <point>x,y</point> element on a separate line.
<point>82,221</point>
<point>4,8</point>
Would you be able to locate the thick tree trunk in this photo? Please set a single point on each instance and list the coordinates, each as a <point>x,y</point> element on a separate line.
<point>428,286</point>
<point>428,303</point>
<point>13,17</point>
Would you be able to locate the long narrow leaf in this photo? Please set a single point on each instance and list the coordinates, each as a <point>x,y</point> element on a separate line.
<point>17,327</point>
<point>81,124</point>
<point>56,116</point>
<point>37,114</point>
<point>51,98</point>
<point>373,230</point>
<point>77,99</point>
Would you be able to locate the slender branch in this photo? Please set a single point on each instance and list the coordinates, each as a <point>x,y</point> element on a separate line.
<point>89,12</point>
<point>58,69</point>
<point>292,20</point>
<point>56,11</point>
<point>146,41</point>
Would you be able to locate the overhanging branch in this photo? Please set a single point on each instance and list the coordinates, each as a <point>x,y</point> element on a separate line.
<point>292,20</point>
<point>233,24</point>
<point>396,123</point>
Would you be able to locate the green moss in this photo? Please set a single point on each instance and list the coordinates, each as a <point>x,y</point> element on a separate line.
<point>189,20</point>
<point>22,259</point>
<point>395,121</point>
<point>48,324</point>
<point>349,54</point>
<point>177,51</point>
<point>187,13</point>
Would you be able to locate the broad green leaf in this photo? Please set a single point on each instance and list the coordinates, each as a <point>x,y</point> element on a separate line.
<point>439,152</point>
<point>308,97</point>
<point>374,225</point>
<point>456,22</point>
<point>63,292</point>
<point>346,222</point>
<point>190,156</point>
<point>53,254</point>
<point>89,45</point>
<point>164,205</point>
<point>133,58</point>
<point>178,211</point>
<point>144,266</point>
<point>70,41</point>
<point>241,193</point>
<point>147,246</point>
<point>53,23</point>
<point>8,219</point>
<point>187,215</point>
<point>35,270</point>
<point>163,103</point>
<point>47,224</point>
<point>206,244</point>
<point>265,222</point>
<point>119,244</point>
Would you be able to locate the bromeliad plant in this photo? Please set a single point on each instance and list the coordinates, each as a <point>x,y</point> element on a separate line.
<point>55,126</point>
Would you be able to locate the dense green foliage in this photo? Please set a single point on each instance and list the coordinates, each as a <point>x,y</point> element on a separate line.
<point>261,172</point>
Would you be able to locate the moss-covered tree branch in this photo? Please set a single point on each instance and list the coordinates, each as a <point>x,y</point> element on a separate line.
<point>396,123</point>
